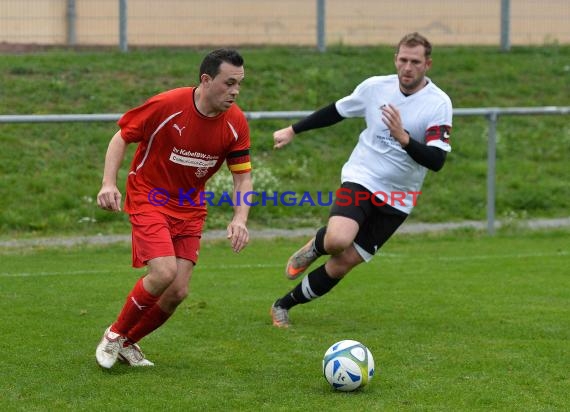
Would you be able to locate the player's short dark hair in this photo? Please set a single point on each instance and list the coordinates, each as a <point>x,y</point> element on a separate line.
<point>213,60</point>
<point>415,39</point>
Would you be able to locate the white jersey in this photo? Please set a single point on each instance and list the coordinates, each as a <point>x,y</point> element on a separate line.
<point>378,162</point>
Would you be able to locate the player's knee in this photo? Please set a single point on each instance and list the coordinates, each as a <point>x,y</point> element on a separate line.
<point>340,265</point>
<point>172,298</point>
<point>165,273</point>
<point>336,243</point>
<point>179,296</point>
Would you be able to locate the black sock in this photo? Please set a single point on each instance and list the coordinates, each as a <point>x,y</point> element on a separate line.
<point>314,285</point>
<point>319,244</point>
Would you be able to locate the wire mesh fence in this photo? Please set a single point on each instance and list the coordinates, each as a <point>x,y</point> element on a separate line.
<point>285,22</point>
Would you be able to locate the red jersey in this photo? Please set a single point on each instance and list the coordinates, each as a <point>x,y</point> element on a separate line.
<point>179,149</point>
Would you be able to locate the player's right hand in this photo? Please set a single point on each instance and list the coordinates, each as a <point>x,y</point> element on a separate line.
<point>283,137</point>
<point>109,198</point>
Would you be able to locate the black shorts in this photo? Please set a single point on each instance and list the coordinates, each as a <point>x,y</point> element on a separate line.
<point>376,222</point>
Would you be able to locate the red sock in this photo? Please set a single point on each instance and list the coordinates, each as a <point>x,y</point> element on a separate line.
<point>138,302</point>
<point>152,320</point>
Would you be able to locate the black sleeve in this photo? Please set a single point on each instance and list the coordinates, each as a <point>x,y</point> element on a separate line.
<point>428,156</point>
<point>323,117</point>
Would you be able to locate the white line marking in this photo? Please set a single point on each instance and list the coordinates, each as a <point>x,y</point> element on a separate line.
<point>474,257</point>
<point>126,270</point>
<point>56,273</point>
<point>211,267</point>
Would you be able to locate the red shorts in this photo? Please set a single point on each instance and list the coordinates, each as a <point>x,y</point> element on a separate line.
<point>155,234</point>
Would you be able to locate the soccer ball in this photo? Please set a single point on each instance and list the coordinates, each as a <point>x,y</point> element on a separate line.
<point>348,365</point>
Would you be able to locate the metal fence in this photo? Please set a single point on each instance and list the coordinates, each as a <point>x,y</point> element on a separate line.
<point>492,115</point>
<point>316,23</point>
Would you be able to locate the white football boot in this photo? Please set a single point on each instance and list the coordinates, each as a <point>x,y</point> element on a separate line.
<point>133,355</point>
<point>108,349</point>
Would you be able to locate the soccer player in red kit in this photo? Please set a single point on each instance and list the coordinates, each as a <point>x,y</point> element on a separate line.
<point>184,136</point>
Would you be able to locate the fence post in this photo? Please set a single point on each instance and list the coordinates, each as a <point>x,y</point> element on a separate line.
<point>491,171</point>
<point>321,23</point>
<point>123,43</point>
<point>505,25</point>
<point>71,23</point>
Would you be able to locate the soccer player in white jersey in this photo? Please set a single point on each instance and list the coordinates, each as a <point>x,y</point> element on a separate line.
<point>408,123</point>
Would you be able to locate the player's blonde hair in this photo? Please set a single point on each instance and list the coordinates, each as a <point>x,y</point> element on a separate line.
<point>415,39</point>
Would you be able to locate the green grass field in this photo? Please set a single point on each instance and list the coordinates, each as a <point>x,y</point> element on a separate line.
<point>456,322</point>
<point>50,173</point>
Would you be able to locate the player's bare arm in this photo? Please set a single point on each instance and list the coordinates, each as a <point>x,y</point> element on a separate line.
<point>109,197</point>
<point>237,229</point>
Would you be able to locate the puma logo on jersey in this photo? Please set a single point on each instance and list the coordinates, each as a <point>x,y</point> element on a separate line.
<point>179,129</point>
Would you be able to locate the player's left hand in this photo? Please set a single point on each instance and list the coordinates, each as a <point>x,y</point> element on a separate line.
<point>238,235</point>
